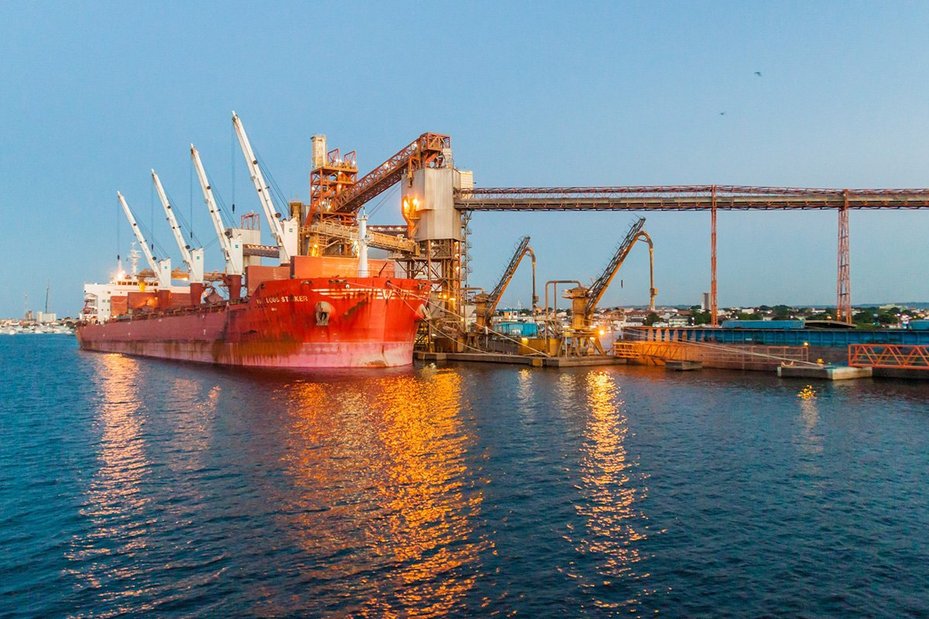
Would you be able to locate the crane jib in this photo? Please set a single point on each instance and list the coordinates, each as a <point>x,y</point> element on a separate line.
<point>596,290</point>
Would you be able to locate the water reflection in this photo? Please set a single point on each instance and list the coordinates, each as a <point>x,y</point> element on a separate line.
<point>524,390</point>
<point>610,492</point>
<point>105,555</point>
<point>382,472</point>
<point>193,416</point>
<point>809,415</point>
<point>810,446</point>
<point>330,458</point>
<point>566,391</point>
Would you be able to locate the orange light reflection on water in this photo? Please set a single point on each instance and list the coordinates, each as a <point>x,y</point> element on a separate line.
<point>811,445</point>
<point>608,488</point>
<point>114,496</point>
<point>401,442</point>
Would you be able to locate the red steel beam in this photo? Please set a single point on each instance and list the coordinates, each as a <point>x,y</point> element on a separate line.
<point>898,356</point>
<point>428,149</point>
<point>714,303</point>
<point>705,198</point>
<point>687,198</point>
<point>706,189</point>
<point>843,308</point>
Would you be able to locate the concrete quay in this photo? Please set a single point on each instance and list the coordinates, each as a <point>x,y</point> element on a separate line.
<point>532,361</point>
<point>826,372</point>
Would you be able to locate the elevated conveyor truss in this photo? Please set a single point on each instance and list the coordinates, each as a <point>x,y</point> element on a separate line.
<point>686,198</point>
<point>428,150</point>
<point>380,240</point>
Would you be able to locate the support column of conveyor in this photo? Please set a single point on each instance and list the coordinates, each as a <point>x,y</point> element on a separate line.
<point>714,306</point>
<point>843,308</point>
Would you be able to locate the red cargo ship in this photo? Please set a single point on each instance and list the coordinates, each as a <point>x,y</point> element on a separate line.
<point>299,316</point>
<point>311,311</point>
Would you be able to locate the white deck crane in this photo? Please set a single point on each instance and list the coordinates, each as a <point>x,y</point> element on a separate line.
<point>232,247</point>
<point>161,268</point>
<point>284,231</point>
<point>193,258</point>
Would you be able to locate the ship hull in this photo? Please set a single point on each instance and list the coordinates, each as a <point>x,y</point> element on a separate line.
<point>298,324</point>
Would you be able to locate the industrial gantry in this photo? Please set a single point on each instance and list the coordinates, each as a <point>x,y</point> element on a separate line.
<point>705,198</point>
<point>437,200</point>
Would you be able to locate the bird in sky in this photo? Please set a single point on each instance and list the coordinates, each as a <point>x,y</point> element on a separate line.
<point>757,73</point>
<point>722,113</point>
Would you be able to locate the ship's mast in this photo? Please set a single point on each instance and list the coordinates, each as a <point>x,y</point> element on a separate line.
<point>284,232</point>
<point>161,268</point>
<point>193,258</point>
<point>232,258</point>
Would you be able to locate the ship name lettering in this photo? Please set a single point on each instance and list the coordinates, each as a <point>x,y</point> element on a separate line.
<point>298,298</point>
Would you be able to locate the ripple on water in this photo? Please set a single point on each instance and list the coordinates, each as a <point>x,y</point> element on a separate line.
<point>132,485</point>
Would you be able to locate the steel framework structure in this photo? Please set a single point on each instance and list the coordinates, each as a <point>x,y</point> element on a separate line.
<point>714,309</point>
<point>439,261</point>
<point>733,357</point>
<point>705,198</point>
<point>596,290</point>
<point>843,306</point>
<point>581,336</point>
<point>897,356</point>
<point>328,181</point>
<point>686,198</point>
<point>336,194</point>
<point>428,150</point>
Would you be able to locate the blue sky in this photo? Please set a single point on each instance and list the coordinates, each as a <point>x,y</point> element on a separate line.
<point>93,95</point>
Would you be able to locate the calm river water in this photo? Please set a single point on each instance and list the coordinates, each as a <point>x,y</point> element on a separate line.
<point>131,485</point>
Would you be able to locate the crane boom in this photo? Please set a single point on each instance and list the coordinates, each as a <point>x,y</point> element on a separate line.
<point>487,303</point>
<point>497,293</point>
<point>157,267</point>
<point>596,290</point>
<point>264,193</point>
<point>193,258</point>
<point>233,266</point>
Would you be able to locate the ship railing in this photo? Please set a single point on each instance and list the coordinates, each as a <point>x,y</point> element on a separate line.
<point>178,311</point>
